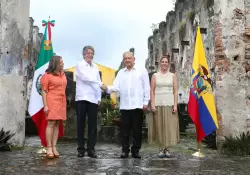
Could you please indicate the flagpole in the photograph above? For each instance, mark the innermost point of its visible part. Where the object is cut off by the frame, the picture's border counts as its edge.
(42, 149)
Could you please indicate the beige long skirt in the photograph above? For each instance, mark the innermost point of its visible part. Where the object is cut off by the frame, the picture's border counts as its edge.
(163, 127)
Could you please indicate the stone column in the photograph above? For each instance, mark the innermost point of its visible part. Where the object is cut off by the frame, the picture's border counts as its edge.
(230, 91)
(14, 30)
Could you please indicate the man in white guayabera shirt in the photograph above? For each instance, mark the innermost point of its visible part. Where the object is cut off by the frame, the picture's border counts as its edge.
(132, 83)
(88, 96)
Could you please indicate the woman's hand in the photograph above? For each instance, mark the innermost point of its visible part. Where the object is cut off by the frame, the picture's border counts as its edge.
(174, 109)
(153, 108)
(46, 110)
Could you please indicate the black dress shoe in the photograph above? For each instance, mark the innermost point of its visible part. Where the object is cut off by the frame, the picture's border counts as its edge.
(124, 155)
(80, 155)
(92, 155)
(136, 155)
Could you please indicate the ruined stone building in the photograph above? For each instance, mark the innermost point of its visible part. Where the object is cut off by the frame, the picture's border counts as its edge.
(19, 48)
(225, 28)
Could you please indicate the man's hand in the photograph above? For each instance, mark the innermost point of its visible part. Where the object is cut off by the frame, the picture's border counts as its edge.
(104, 87)
(145, 107)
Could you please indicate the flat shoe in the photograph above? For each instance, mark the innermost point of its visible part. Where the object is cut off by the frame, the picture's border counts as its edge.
(50, 156)
(56, 155)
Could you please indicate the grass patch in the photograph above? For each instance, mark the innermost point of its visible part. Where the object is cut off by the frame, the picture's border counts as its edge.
(17, 148)
(237, 146)
(5, 136)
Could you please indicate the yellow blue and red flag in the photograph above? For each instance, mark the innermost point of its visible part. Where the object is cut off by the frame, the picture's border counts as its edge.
(201, 104)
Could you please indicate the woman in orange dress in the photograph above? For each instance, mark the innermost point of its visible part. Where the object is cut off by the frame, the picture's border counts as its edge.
(53, 84)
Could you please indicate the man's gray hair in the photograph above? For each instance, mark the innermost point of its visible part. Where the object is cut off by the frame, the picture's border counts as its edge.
(86, 48)
(128, 53)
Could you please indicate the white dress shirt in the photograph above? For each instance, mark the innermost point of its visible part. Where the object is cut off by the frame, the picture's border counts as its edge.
(88, 82)
(133, 87)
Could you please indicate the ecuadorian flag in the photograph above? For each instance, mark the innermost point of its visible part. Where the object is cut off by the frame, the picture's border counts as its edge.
(201, 105)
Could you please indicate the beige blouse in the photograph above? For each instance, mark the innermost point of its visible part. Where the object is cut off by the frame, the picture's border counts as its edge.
(164, 95)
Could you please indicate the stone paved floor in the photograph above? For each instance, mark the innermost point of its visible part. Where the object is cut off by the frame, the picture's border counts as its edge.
(28, 162)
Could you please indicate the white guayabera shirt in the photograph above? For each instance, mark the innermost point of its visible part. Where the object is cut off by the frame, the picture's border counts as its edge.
(133, 86)
(88, 82)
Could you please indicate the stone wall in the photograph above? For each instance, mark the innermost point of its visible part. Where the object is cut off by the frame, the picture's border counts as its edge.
(225, 27)
(19, 47)
(14, 27)
(33, 49)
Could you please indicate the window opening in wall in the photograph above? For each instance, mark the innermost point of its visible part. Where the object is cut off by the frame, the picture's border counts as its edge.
(172, 68)
(236, 58)
(156, 54)
(181, 61)
(180, 16)
(164, 48)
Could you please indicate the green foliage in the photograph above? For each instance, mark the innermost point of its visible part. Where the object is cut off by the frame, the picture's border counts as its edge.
(208, 3)
(109, 112)
(182, 29)
(120, 67)
(4, 138)
(237, 146)
(191, 15)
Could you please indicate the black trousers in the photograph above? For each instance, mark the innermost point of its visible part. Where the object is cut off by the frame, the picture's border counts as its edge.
(83, 109)
(131, 120)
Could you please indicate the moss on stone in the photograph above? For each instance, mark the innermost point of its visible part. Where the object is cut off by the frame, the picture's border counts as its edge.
(182, 29)
(191, 15)
(17, 148)
(208, 3)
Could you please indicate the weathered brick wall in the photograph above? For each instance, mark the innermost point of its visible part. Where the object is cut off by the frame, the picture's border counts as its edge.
(230, 91)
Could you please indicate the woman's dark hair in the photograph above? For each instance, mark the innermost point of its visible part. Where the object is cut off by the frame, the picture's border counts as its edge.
(165, 56)
(53, 64)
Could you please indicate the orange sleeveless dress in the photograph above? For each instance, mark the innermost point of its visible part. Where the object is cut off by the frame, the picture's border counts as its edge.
(55, 85)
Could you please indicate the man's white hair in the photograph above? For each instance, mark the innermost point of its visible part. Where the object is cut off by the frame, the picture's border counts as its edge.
(128, 53)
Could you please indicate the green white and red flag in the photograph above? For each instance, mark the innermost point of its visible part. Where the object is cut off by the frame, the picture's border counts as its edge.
(35, 108)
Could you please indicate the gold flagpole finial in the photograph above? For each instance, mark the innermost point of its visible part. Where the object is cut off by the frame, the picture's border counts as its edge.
(49, 17)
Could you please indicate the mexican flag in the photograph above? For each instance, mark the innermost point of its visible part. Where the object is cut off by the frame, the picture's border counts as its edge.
(35, 108)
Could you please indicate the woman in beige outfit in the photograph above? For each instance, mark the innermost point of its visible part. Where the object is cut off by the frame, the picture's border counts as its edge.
(165, 123)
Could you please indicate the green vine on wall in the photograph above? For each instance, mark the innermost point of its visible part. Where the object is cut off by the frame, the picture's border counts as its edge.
(182, 29)
(208, 3)
(191, 15)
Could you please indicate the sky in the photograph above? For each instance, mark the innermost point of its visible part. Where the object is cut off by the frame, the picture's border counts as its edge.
(110, 26)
